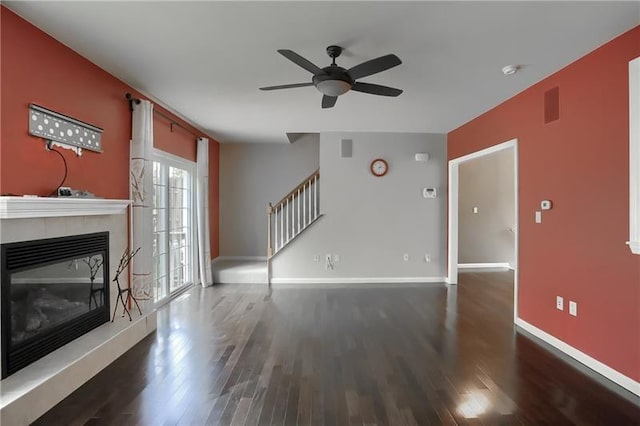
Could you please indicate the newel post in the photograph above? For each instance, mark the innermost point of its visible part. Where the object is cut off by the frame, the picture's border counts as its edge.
(269, 245)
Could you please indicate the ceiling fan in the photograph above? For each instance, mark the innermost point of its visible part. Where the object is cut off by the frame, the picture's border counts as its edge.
(333, 81)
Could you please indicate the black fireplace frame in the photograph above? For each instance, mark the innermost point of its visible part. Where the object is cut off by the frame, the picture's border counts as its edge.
(19, 256)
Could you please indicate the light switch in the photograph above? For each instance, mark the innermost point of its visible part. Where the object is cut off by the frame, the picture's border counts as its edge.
(538, 217)
(573, 308)
(475, 210)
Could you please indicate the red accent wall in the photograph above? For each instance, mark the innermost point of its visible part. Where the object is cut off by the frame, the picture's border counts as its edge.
(581, 163)
(36, 68)
(174, 139)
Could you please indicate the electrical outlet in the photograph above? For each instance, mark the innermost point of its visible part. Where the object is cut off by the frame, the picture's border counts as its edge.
(573, 308)
(328, 261)
(559, 303)
(538, 217)
(427, 258)
(405, 257)
(336, 258)
(316, 258)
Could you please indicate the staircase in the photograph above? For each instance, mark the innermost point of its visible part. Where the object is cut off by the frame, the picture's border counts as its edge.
(291, 216)
(288, 218)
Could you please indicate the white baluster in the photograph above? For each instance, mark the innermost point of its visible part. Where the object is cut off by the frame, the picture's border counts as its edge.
(281, 226)
(315, 197)
(293, 217)
(309, 203)
(275, 233)
(286, 224)
(304, 205)
(298, 210)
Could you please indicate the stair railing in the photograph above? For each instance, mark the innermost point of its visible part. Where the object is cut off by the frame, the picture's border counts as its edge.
(293, 214)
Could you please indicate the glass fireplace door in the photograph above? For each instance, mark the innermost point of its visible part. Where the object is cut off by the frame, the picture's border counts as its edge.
(52, 291)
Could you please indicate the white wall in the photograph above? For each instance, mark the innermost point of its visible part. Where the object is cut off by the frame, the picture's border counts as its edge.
(371, 222)
(251, 176)
(487, 183)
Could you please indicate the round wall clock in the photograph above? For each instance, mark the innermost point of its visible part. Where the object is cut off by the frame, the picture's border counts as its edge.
(379, 167)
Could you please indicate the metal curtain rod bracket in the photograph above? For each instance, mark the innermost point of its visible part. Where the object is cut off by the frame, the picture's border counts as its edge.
(131, 100)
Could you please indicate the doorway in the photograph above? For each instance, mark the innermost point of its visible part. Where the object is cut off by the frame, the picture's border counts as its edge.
(173, 226)
(454, 212)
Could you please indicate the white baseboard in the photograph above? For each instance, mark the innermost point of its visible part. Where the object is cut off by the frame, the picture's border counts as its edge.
(247, 258)
(359, 280)
(597, 366)
(484, 265)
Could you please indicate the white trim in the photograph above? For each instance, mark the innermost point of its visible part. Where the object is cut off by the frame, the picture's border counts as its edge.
(32, 207)
(487, 151)
(504, 265)
(597, 366)
(452, 269)
(634, 156)
(171, 160)
(247, 258)
(360, 280)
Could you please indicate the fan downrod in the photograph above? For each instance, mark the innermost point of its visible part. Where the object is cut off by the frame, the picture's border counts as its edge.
(334, 52)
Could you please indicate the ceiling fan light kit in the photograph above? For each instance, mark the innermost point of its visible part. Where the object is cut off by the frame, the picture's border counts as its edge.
(333, 87)
(333, 81)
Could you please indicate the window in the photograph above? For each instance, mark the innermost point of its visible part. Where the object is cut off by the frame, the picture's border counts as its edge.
(173, 219)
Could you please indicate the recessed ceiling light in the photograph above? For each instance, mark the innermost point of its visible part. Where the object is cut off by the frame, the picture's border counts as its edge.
(510, 69)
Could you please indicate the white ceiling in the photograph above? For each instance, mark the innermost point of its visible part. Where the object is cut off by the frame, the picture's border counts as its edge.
(206, 60)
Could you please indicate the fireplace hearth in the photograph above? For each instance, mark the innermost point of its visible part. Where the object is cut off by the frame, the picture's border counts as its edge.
(53, 291)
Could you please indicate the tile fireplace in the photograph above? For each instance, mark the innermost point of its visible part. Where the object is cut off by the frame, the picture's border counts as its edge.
(43, 303)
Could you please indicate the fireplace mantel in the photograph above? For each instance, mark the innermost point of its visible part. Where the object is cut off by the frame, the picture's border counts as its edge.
(31, 391)
(34, 207)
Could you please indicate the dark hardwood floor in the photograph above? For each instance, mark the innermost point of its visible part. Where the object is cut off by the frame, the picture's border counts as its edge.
(385, 355)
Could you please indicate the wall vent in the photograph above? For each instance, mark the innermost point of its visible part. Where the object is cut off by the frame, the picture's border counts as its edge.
(346, 148)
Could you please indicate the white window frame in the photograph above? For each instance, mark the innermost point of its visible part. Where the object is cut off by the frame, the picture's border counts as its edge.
(634, 156)
(172, 160)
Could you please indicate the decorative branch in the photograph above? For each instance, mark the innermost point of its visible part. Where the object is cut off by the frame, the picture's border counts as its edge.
(124, 262)
(137, 185)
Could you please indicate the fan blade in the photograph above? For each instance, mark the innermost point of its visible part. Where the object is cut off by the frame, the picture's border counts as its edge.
(329, 101)
(300, 61)
(287, 86)
(376, 89)
(374, 66)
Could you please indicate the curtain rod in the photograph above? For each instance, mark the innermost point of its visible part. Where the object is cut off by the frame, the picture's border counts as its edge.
(135, 101)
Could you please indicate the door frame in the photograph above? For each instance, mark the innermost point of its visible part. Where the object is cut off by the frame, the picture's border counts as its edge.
(453, 213)
(169, 159)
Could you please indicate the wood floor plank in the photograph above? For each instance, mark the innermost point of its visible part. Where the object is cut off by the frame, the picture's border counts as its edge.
(384, 355)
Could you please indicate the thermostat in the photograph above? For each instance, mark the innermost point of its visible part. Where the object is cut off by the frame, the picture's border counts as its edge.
(429, 192)
(546, 204)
